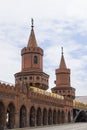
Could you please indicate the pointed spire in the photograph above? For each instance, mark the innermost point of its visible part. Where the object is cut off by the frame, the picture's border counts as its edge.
(62, 62)
(62, 50)
(32, 40)
(32, 24)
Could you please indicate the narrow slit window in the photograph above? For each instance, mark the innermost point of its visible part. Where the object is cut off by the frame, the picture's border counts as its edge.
(35, 59)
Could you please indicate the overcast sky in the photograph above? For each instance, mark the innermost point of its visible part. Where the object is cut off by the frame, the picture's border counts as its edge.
(57, 23)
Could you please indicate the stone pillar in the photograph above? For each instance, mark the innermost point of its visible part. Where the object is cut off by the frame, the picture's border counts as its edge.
(47, 117)
(28, 121)
(35, 117)
(52, 117)
(41, 118)
(72, 119)
(5, 116)
(66, 117)
(17, 118)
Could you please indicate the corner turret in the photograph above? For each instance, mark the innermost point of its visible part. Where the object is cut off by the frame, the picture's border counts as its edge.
(63, 84)
(32, 65)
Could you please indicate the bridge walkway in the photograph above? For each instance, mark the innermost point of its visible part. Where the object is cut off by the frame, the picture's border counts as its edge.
(72, 126)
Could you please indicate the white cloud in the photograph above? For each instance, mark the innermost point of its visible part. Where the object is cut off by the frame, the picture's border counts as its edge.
(57, 23)
(23, 10)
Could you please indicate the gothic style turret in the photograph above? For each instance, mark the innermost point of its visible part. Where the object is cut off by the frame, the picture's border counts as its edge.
(32, 65)
(62, 82)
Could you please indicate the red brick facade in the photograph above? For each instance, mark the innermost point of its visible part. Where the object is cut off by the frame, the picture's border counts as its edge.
(22, 105)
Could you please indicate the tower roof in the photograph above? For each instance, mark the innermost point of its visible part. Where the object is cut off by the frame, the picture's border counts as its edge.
(32, 40)
(62, 62)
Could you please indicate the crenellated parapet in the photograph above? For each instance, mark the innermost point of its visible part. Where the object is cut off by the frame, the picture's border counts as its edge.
(27, 50)
(7, 88)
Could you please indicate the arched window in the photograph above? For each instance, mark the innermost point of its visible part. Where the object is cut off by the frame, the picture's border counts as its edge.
(35, 59)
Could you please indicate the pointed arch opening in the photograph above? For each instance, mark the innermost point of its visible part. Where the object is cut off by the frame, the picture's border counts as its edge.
(39, 117)
(58, 117)
(62, 117)
(23, 116)
(44, 116)
(50, 117)
(2, 115)
(54, 117)
(32, 116)
(10, 119)
(69, 117)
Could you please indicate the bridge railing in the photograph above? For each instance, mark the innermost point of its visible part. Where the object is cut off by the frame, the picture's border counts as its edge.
(79, 105)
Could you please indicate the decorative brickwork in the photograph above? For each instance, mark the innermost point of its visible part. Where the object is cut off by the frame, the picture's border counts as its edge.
(28, 103)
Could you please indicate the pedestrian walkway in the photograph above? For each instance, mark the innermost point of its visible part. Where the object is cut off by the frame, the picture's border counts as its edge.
(73, 126)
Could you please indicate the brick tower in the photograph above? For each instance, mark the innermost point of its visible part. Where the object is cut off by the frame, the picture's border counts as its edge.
(32, 65)
(63, 86)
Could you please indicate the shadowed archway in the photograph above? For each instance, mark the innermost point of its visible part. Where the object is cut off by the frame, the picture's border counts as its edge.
(39, 117)
(32, 116)
(44, 116)
(23, 116)
(58, 117)
(10, 121)
(69, 117)
(50, 117)
(54, 117)
(2, 115)
(62, 117)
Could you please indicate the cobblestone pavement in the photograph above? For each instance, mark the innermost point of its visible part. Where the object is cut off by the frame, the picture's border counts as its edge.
(74, 126)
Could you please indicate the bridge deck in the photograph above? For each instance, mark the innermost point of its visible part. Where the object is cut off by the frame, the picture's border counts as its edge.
(73, 126)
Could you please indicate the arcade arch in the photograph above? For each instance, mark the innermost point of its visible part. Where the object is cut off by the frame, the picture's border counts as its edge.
(49, 117)
(32, 116)
(39, 117)
(62, 117)
(54, 117)
(44, 116)
(10, 119)
(58, 117)
(69, 116)
(2, 114)
(23, 116)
